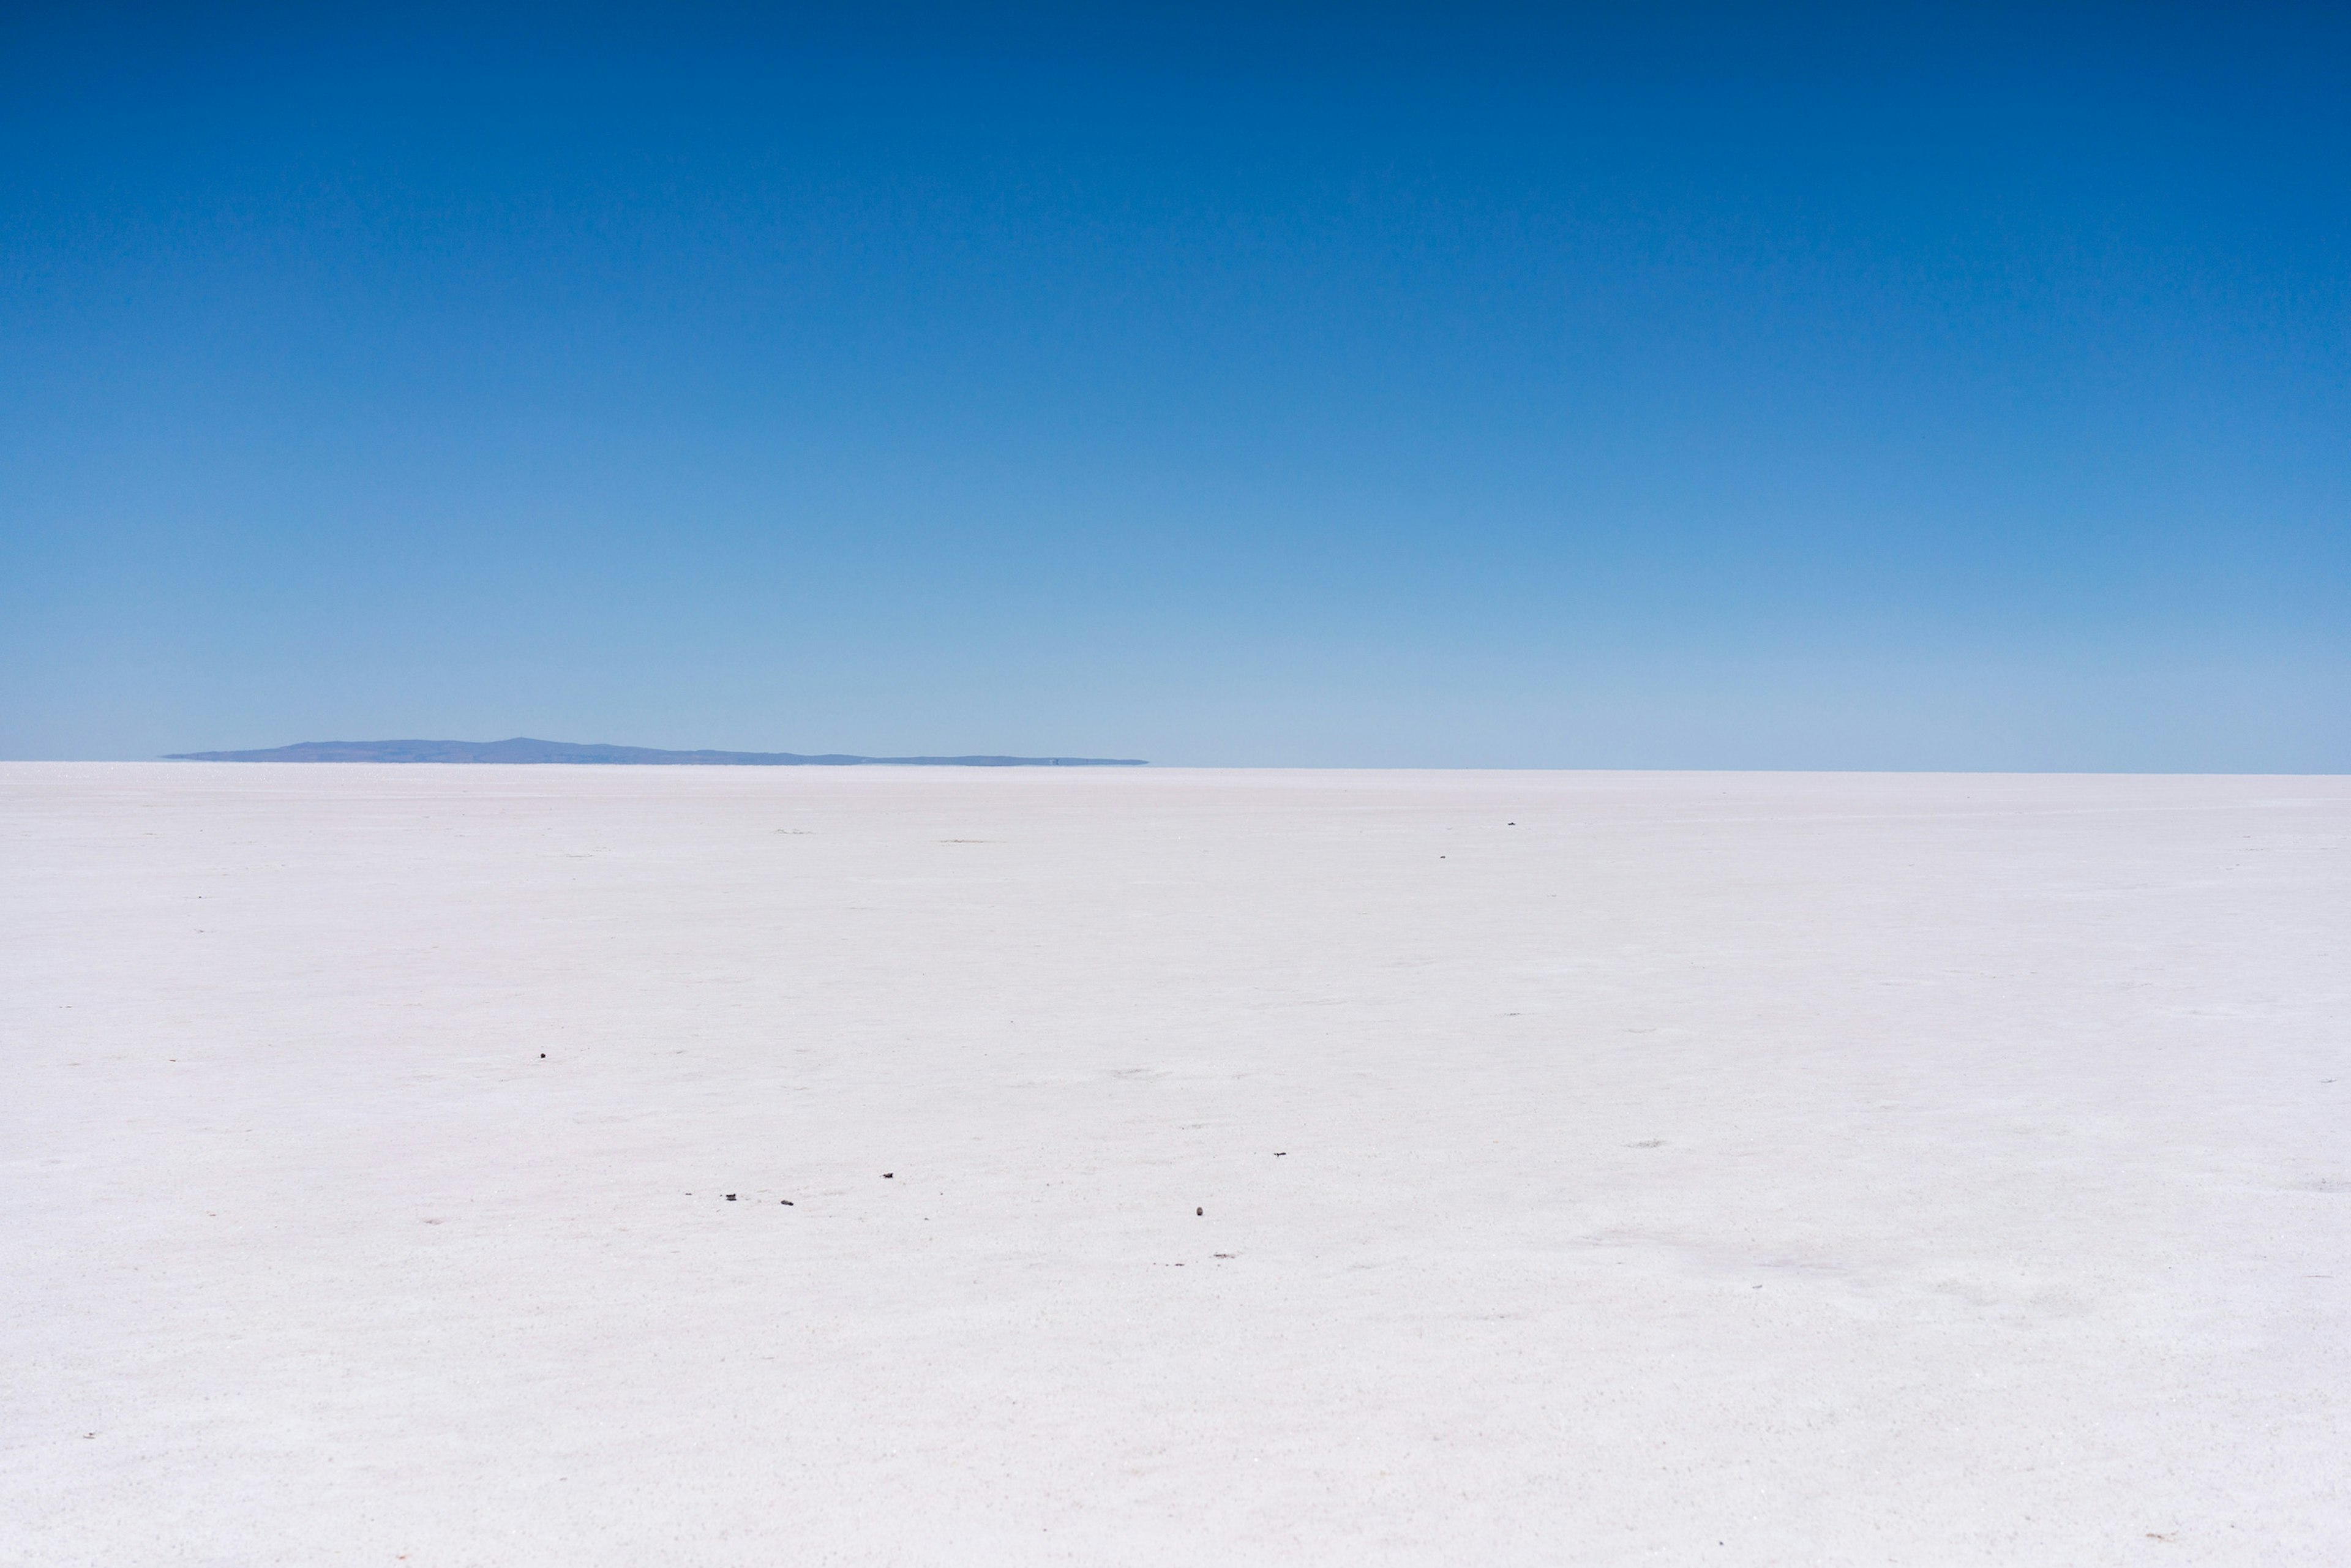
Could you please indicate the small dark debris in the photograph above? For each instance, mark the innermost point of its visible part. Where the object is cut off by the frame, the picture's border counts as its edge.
(1199, 1211)
(887, 1176)
(1282, 1154)
(542, 1056)
(785, 1201)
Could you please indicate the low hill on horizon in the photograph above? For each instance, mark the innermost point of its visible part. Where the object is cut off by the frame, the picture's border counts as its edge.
(522, 748)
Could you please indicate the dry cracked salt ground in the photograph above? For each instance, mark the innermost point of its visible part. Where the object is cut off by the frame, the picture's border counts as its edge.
(1283, 1167)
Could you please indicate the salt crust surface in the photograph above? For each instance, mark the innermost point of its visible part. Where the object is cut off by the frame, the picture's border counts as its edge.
(1706, 1168)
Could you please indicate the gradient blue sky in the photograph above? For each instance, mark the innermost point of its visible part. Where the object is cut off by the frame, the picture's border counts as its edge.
(1877, 387)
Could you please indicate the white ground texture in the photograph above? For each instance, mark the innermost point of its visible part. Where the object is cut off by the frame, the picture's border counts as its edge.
(1283, 1167)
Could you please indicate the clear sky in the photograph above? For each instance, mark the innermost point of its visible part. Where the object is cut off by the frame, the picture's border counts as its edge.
(1869, 387)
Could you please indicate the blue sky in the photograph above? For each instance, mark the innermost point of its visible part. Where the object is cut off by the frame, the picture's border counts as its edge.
(1710, 388)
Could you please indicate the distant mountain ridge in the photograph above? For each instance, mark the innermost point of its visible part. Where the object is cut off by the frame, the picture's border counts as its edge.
(522, 748)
